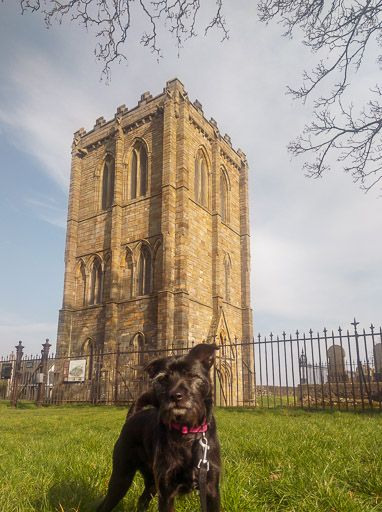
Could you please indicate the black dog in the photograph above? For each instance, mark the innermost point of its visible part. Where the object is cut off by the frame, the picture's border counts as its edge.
(174, 445)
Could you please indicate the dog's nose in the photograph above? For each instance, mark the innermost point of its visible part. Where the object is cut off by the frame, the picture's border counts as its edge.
(176, 396)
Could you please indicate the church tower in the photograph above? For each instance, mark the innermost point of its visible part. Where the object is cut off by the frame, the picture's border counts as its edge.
(157, 247)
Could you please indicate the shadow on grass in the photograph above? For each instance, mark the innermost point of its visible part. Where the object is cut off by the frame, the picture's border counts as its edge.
(79, 496)
(68, 496)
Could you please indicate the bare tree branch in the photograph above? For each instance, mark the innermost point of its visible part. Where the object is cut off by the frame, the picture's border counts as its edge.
(340, 30)
(112, 19)
(343, 30)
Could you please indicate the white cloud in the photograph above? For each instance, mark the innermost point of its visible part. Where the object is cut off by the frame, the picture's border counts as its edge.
(48, 212)
(43, 107)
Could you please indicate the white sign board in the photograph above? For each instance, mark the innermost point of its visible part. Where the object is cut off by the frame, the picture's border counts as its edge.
(77, 370)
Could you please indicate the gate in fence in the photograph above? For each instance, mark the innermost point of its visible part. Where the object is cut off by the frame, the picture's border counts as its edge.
(341, 369)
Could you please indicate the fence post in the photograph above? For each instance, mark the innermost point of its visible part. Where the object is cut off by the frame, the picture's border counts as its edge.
(17, 374)
(359, 364)
(44, 373)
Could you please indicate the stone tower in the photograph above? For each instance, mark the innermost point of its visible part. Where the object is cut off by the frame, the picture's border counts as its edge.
(157, 247)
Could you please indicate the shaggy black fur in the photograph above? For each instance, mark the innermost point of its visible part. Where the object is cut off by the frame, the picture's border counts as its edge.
(167, 459)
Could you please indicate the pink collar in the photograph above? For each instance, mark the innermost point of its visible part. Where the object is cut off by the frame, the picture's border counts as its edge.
(186, 430)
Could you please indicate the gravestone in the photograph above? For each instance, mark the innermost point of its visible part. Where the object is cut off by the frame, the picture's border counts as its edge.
(336, 367)
(378, 362)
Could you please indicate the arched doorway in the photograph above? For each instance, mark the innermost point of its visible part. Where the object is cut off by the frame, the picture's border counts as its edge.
(223, 379)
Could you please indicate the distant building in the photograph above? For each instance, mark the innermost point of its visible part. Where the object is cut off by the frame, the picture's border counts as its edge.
(157, 248)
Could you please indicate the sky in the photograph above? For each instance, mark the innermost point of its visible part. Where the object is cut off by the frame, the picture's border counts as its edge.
(316, 247)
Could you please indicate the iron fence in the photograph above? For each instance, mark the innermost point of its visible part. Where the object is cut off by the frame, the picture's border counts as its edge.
(341, 369)
(113, 377)
(338, 369)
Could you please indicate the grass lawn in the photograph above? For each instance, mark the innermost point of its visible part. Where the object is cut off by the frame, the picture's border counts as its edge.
(59, 459)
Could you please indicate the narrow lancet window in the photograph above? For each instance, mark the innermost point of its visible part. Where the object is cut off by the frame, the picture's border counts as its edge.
(108, 183)
(223, 198)
(96, 283)
(201, 178)
(139, 171)
(144, 272)
(134, 173)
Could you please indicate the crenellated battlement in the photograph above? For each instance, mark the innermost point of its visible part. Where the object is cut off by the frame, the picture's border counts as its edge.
(148, 107)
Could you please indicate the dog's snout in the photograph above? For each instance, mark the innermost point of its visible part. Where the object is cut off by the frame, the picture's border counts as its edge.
(176, 396)
(177, 393)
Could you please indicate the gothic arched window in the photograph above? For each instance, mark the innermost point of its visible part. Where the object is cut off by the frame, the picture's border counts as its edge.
(108, 182)
(80, 285)
(158, 269)
(127, 276)
(96, 282)
(144, 272)
(223, 197)
(140, 343)
(138, 349)
(201, 178)
(107, 278)
(88, 352)
(138, 171)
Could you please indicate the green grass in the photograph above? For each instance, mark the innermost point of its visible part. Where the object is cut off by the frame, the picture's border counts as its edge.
(59, 459)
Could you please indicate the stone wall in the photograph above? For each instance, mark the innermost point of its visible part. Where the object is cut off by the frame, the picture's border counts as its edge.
(199, 263)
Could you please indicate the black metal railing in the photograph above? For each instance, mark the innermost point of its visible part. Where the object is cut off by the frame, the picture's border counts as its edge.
(330, 370)
(338, 369)
(114, 377)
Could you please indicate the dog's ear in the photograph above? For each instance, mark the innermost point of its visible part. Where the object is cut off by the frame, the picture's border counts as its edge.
(154, 366)
(204, 352)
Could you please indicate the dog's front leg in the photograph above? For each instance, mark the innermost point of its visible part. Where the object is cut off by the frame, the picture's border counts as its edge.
(166, 504)
(213, 495)
(149, 490)
(166, 498)
(213, 503)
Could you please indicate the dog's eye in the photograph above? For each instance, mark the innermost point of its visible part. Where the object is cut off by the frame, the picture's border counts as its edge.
(192, 375)
(163, 378)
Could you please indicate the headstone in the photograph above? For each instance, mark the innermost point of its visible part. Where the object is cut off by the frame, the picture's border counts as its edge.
(336, 369)
(378, 361)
